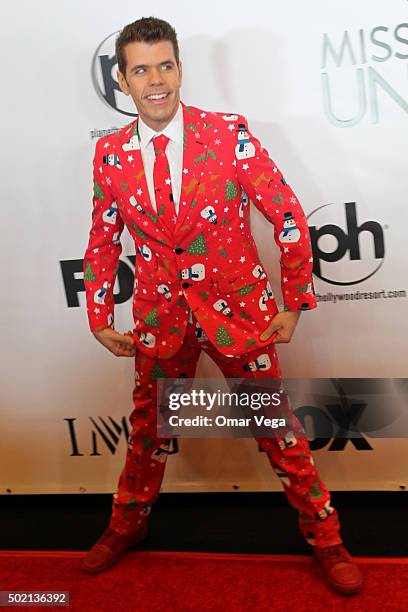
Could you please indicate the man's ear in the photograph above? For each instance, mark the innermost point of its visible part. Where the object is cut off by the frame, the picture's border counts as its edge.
(122, 83)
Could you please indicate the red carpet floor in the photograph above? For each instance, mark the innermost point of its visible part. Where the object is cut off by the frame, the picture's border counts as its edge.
(182, 582)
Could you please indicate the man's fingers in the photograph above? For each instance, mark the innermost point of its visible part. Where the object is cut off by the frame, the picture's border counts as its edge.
(281, 338)
(268, 332)
(128, 339)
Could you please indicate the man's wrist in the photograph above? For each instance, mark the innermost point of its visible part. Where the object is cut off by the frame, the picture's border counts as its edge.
(98, 329)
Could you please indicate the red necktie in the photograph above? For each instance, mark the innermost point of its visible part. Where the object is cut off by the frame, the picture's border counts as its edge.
(162, 181)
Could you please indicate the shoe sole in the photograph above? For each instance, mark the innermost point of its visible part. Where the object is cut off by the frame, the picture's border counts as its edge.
(101, 568)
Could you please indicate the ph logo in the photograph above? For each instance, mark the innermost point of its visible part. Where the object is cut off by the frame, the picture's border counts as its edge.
(346, 256)
(104, 66)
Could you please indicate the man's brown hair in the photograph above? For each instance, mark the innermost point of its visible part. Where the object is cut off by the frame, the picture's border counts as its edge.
(146, 29)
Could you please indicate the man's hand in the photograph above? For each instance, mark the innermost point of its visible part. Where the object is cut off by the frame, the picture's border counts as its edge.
(121, 345)
(282, 327)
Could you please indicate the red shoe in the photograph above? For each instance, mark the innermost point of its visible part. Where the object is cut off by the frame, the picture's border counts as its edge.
(109, 548)
(339, 568)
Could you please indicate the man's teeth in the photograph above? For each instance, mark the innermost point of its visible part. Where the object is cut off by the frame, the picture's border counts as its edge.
(157, 96)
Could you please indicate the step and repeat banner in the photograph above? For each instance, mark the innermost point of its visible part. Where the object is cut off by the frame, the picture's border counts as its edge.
(325, 88)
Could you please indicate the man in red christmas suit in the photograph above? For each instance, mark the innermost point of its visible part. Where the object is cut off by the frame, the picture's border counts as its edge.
(181, 179)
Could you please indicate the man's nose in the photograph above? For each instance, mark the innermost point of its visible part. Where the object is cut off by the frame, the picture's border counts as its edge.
(156, 77)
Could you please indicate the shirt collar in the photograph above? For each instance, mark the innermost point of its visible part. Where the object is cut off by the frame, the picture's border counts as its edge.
(173, 130)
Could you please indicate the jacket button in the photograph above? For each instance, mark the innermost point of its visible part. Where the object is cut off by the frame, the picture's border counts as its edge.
(178, 250)
(185, 285)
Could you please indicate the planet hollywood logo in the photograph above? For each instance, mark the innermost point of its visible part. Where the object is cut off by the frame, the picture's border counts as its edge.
(104, 67)
(345, 255)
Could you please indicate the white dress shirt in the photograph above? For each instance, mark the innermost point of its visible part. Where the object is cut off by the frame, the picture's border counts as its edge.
(174, 152)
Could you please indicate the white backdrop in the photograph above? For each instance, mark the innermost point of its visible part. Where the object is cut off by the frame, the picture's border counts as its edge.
(325, 88)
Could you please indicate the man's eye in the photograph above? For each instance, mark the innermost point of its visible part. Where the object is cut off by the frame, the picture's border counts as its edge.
(167, 66)
(139, 70)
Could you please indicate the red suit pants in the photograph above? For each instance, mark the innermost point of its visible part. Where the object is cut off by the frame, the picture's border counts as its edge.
(141, 478)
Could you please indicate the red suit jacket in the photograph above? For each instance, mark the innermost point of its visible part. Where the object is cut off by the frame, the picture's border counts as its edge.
(208, 259)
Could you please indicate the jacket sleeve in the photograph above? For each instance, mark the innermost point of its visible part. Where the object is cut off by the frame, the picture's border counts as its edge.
(101, 259)
(265, 186)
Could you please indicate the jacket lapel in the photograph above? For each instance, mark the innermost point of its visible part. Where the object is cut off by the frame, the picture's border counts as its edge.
(194, 158)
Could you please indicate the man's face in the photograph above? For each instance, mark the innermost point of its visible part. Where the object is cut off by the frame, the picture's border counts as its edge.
(151, 69)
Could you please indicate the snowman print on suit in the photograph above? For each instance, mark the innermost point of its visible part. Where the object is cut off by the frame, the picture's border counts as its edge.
(244, 202)
(262, 362)
(290, 232)
(325, 511)
(245, 148)
(147, 339)
(267, 294)
(164, 290)
(208, 213)
(200, 333)
(135, 203)
(222, 306)
(288, 441)
(145, 252)
(110, 214)
(132, 144)
(99, 295)
(195, 272)
(112, 159)
(258, 272)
